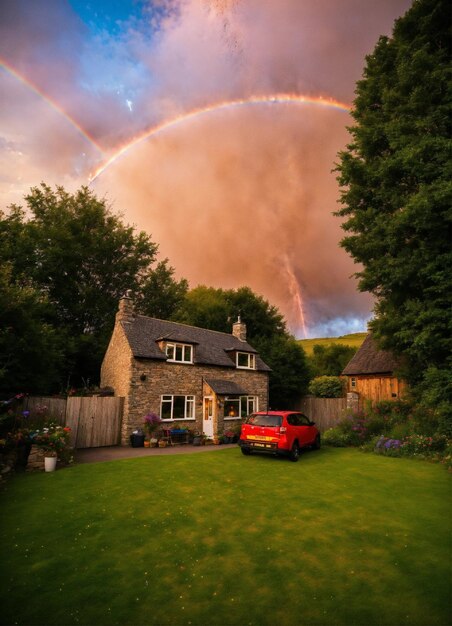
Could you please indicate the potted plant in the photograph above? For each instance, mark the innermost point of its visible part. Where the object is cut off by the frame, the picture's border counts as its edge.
(228, 436)
(152, 423)
(55, 441)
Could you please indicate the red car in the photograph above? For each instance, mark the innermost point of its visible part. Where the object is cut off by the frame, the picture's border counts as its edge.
(279, 432)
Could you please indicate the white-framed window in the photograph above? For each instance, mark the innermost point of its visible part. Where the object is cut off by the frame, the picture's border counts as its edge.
(177, 407)
(245, 360)
(353, 383)
(240, 406)
(179, 352)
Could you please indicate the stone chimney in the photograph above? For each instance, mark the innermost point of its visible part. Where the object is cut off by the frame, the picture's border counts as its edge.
(125, 310)
(239, 329)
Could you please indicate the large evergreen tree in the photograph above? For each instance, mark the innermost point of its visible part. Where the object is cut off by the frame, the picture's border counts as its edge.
(397, 194)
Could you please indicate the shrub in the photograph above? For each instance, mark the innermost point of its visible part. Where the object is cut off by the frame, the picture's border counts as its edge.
(421, 444)
(327, 387)
(336, 437)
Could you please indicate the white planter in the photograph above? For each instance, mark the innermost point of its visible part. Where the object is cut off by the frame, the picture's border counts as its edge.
(50, 463)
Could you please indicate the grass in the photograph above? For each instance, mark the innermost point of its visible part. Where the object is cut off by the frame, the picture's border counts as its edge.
(340, 538)
(354, 340)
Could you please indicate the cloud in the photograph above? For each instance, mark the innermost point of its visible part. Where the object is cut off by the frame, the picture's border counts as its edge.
(241, 196)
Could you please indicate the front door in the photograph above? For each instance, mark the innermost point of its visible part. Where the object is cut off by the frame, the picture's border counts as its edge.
(207, 422)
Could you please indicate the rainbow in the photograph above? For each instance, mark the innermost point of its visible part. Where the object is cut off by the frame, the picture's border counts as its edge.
(56, 107)
(213, 108)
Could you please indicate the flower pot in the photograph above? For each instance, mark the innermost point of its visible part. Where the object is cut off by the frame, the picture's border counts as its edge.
(147, 444)
(50, 463)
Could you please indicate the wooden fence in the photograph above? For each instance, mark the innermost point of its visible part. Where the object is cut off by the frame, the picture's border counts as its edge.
(95, 421)
(325, 412)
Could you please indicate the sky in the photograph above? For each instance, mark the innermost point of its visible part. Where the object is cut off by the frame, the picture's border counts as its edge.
(213, 125)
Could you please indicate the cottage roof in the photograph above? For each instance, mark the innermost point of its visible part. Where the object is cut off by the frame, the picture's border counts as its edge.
(226, 387)
(369, 359)
(211, 347)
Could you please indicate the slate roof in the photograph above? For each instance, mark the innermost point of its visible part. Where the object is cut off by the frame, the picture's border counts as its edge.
(211, 347)
(226, 387)
(371, 360)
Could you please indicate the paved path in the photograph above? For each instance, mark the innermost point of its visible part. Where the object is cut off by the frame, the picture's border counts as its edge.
(113, 453)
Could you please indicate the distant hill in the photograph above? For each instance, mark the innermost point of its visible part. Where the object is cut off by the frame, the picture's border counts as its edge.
(354, 340)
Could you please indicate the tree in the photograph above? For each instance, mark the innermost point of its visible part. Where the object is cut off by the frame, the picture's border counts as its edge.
(85, 258)
(330, 360)
(161, 294)
(205, 307)
(31, 350)
(396, 191)
(217, 309)
(290, 372)
(327, 387)
(81, 258)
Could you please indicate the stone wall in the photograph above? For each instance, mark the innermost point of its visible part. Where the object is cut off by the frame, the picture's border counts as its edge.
(152, 379)
(116, 371)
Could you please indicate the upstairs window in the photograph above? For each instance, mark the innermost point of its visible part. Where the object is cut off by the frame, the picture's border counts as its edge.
(179, 353)
(246, 361)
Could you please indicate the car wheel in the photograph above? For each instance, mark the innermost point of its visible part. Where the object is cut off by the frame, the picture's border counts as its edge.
(316, 445)
(245, 451)
(294, 453)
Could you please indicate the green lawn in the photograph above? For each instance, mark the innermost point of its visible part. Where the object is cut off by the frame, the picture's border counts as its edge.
(340, 537)
(354, 340)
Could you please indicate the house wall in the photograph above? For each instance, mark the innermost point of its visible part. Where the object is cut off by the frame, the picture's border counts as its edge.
(116, 370)
(178, 379)
(376, 388)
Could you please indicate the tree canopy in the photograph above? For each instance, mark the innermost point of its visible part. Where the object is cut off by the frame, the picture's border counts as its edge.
(77, 258)
(397, 190)
(330, 360)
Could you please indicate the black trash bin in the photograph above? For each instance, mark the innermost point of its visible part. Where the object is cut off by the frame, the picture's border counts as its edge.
(137, 439)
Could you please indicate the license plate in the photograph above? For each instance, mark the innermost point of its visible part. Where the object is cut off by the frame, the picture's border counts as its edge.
(262, 445)
(257, 438)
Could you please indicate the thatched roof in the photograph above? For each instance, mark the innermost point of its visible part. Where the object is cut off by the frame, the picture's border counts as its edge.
(371, 360)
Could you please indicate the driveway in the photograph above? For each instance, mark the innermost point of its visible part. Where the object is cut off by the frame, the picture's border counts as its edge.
(113, 453)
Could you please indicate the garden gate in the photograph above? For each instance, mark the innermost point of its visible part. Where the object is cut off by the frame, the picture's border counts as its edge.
(94, 420)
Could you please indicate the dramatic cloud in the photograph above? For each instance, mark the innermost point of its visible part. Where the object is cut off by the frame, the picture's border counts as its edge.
(239, 196)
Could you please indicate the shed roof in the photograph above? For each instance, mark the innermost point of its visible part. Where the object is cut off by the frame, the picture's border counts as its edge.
(211, 347)
(369, 359)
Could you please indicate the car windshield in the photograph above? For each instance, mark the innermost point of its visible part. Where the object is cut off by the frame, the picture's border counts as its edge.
(264, 420)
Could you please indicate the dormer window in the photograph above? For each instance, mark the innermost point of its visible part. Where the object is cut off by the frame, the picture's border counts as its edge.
(179, 353)
(246, 361)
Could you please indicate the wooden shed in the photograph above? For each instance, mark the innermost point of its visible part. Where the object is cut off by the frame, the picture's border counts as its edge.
(370, 374)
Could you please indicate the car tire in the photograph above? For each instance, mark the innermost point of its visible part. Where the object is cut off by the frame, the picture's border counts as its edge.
(245, 451)
(294, 453)
(316, 445)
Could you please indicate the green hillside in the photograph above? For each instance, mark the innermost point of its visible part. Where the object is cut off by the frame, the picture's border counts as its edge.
(354, 340)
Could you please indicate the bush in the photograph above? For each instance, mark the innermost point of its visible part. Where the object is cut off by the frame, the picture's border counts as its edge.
(336, 437)
(393, 429)
(327, 387)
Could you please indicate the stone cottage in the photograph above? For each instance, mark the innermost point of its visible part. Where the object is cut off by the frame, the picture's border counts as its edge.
(189, 376)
